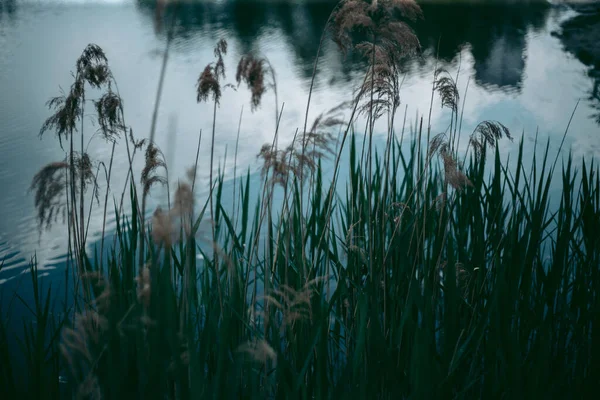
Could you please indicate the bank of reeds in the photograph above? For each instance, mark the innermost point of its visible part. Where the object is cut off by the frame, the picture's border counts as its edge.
(430, 272)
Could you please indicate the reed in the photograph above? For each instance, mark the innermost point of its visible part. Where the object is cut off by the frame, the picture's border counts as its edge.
(418, 276)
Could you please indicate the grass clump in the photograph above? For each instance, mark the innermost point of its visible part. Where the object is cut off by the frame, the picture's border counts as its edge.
(420, 276)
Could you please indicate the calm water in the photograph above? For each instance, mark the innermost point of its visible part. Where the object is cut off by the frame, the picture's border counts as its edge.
(518, 73)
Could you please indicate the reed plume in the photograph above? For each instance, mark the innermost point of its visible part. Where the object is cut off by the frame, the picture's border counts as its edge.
(48, 186)
(260, 351)
(381, 19)
(168, 225)
(453, 175)
(390, 41)
(209, 80)
(82, 344)
(154, 160)
(75, 172)
(301, 157)
(488, 132)
(209, 83)
(252, 70)
(446, 86)
(109, 116)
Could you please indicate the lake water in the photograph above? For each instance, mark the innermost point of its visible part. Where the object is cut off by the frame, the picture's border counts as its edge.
(517, 69)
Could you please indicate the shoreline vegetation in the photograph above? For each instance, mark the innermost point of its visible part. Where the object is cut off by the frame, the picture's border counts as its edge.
(434, 270)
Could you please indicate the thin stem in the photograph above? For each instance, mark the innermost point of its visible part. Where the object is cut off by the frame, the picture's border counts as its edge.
(212, 211)
(196, 162)
(237, 142)
(370, 163)
(81, 187)
(153, 131)
(461, 114)
(106, 202)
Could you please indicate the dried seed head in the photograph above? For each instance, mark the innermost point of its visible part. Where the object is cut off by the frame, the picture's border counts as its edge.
(154, 160)
(67, 113)
(381, 88)
(137, 144)
(144, 288)
(92, 67)
(91, 57)
(208, 82)
(79, 343)
(456, 178)
(166, 224)
(302, 156)
(219, 51)
(49, 185)
(399, 39)
(101, 289)
(251, 70)
(446, 87)
(190, 174)
(162, 227)
(350, 16)
(83, 166)
(259, 350)
(75, 343)
(488, 132)
(110, 118)
(294, 304)
(438, 144)
(408, 9)
(381, 18)
(96, 76)
(184, 200)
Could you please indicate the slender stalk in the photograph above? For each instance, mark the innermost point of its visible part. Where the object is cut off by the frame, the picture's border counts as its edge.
(461, 115)
(212, 212)
(94, 193)
(196, 161)
(112, 154)
(370, 163)
(562, 142)
(263, 211)
(81, 188)
(73, 200)
(310, 90)
(237, 142)
(159, 90)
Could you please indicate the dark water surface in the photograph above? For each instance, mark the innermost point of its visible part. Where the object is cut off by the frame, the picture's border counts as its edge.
(510, 54)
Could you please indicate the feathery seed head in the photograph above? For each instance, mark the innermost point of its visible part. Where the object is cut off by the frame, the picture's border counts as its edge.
(92, 56)
(144, 289)
(379, 19)
(154, 160)
(110, 118)
(162, 227)
(455, 177)
(488, 132)
(251, 71)
(184, 199)
(49, 186)
(446, 87)
(208, 83)
(259, 350)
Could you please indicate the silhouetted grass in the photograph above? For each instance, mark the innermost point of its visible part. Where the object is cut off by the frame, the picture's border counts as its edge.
(418, 276)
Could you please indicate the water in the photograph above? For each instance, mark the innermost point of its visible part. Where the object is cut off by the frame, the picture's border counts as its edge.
(518, 72)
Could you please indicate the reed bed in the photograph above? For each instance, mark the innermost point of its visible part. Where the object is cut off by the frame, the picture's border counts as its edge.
(430, 272)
